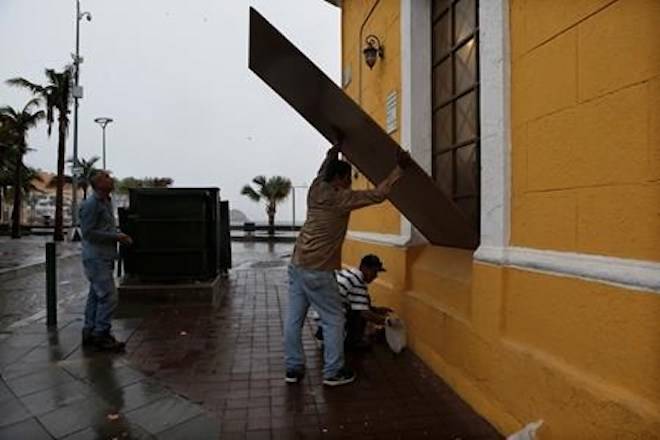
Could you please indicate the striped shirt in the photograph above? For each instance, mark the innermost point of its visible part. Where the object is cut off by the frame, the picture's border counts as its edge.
(353, 289)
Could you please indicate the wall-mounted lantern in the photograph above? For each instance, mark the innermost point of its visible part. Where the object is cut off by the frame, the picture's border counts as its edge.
(372, 51)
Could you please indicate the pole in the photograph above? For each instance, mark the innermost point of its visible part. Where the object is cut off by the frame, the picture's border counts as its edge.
(74, 189)
(104, 148)
(51, 285)
(293, 192)
(103, 123)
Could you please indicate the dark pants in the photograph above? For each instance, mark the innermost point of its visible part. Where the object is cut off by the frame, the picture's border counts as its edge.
(355, 327)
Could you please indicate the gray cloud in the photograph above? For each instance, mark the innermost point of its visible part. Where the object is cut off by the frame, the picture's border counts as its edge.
(174, 77)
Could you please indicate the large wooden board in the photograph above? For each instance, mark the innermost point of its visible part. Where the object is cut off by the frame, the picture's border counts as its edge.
(326, 107)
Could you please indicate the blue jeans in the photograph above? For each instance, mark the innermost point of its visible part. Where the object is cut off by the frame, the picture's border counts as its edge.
(102, 297)
(318, 288)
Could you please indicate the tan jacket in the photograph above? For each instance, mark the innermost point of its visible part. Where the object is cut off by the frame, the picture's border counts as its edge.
(319, 243)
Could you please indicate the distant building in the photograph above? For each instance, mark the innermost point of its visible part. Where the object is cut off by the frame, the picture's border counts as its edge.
(39, 204)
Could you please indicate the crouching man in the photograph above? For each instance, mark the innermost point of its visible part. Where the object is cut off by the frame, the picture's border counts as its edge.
(353, 287)
(354, 291)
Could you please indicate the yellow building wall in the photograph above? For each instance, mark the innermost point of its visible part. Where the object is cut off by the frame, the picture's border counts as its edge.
(519, 345)
(371, 88)
(585, 117)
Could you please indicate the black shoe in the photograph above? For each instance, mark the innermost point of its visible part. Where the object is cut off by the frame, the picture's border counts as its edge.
(108, 342)
(87, 338)
(343, 377)
(294, 376)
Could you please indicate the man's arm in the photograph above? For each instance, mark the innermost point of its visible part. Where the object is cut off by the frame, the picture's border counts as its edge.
(89, 214)
(381, 310)
(374, 317)
(351, 200)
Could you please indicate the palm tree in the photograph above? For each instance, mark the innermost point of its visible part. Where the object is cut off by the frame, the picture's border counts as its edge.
(57, 96)
(88, 167)
(5, 148)
(29, 177)
(6, 177)
(5, 144)
(272, 191)
(18, 124)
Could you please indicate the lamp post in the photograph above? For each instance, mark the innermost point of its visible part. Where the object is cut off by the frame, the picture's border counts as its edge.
(293, 200)
(103, 122)
(77, 94)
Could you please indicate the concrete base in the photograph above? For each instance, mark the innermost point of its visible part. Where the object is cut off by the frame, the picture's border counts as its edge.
(187, 291)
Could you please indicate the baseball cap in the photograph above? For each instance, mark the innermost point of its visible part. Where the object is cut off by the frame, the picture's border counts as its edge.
(373, 262)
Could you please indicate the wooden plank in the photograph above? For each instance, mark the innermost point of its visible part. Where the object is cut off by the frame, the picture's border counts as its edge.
(326, 107)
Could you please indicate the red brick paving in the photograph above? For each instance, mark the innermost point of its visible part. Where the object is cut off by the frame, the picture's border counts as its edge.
(229, 357)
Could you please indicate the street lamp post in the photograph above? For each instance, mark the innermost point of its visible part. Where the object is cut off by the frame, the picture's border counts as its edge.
(293, 200)
(77, 94)
(103, 122)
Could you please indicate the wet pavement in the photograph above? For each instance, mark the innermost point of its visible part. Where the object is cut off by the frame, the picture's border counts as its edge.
(198, 370)
(29, 250)
(24, 295)
(23, 279)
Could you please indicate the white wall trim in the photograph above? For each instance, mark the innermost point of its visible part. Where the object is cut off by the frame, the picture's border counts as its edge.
(495, 88)
(416, 128)
(627, 273)
(378, 238)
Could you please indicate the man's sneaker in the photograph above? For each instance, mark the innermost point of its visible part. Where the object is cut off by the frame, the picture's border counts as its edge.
(87, 338)
(294, 376)
(343, 377)
(108, 342)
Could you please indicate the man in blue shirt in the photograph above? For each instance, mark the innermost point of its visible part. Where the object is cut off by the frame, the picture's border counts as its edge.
(100, 238)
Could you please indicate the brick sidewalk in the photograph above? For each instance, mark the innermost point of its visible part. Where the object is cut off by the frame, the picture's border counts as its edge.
(230, 360)
(208, 371)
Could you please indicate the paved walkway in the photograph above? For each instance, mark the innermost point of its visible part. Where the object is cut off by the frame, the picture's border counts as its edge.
(198, 371)
(23, 295)
(29, 250)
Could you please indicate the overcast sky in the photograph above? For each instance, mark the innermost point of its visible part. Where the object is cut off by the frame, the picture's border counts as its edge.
(174, 77)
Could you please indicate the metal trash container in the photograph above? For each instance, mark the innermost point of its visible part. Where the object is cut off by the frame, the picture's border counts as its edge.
(176, 233)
